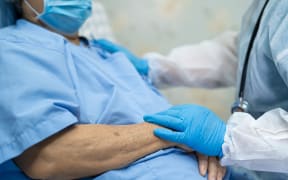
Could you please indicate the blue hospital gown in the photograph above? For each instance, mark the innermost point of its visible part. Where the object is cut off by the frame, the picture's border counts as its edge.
(48, 84)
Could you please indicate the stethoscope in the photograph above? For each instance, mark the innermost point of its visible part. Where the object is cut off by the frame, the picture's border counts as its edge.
(242, 105)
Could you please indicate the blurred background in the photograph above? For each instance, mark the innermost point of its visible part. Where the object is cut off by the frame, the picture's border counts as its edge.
(160, 25)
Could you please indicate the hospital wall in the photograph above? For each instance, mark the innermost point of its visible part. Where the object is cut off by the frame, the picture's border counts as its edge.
(159, 25)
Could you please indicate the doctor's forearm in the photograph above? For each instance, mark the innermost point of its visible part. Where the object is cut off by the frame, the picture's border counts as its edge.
(88, 150)
(208, 64)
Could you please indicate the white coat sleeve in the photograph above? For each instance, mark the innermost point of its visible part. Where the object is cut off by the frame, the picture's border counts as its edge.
(209, 64)
(260, 144)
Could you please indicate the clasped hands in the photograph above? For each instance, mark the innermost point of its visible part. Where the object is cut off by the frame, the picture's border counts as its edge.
(194, 127)
(189, 126)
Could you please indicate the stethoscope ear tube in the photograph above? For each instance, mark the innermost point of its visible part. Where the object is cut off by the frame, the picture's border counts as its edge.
(241, 105)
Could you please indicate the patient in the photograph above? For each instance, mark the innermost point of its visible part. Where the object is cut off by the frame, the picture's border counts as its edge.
(70, 110)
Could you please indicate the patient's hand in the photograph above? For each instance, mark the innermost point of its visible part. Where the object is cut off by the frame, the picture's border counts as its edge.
(212, 166)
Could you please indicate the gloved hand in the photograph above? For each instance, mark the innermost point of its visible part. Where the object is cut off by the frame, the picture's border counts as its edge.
(194, 126)
(140, 64)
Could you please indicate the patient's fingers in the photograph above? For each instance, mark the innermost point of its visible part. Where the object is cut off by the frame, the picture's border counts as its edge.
(212, 165)
(213, 168)
(221, 172)
(203, 164)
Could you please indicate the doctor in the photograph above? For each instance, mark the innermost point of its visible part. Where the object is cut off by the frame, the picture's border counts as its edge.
(256, 136)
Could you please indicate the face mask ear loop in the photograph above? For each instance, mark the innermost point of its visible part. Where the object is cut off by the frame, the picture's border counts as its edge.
(29, 5)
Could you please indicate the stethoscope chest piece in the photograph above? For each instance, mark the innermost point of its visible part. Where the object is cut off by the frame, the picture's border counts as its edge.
(240, 106)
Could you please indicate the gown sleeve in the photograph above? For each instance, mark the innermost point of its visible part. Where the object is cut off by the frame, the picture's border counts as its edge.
(209, 64)
(37, 98)
(260, 144)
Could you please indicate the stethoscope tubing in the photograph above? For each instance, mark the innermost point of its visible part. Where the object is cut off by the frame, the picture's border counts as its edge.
(241, 104)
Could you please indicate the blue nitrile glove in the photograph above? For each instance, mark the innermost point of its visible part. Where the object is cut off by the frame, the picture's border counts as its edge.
(194, 126)
(140, 64)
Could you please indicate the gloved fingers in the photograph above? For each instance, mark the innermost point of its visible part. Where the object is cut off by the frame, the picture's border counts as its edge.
(168, 135)
(141, 65)
(179, 110)
(202, 163)
(213, 168)
(170, 112)
(166, 121)
(186, 106)
(108, 46)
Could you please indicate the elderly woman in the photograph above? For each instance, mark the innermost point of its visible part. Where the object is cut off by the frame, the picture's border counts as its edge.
(71, 110)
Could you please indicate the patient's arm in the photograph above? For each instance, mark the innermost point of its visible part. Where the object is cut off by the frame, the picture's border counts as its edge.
(88, 150)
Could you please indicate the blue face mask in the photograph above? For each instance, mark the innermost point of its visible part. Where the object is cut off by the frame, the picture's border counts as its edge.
(64, 16)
